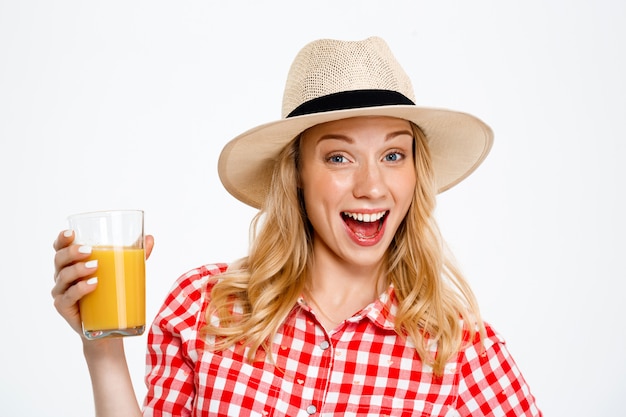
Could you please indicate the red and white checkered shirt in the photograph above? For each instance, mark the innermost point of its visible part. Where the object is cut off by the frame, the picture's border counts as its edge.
(362, 368)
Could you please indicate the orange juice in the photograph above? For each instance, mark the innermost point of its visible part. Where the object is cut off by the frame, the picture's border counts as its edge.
(118, 302)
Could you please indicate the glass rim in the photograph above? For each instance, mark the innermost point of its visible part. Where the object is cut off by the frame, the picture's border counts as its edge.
(100, 213)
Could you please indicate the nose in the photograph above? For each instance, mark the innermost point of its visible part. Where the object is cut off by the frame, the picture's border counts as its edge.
(369, 181)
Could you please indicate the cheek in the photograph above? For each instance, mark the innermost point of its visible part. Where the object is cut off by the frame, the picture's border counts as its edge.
(403, 186)
(321, 185)
(322, 199)
(315, 195)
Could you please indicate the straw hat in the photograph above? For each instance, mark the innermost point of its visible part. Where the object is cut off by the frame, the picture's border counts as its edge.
(331, 80)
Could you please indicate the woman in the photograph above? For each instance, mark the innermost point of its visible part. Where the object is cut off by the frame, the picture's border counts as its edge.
(347, 303)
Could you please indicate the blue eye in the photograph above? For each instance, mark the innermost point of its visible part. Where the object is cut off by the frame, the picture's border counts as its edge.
(336, 159)
(393, 157)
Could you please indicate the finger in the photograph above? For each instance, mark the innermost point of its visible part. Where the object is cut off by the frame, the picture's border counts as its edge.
(69, 298)
(148, 245)
(66, 303)
(64, 238)
(63, 256)
(72, 274)
(69, 255)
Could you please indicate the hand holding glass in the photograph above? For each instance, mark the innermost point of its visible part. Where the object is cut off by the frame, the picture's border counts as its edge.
(117, 306)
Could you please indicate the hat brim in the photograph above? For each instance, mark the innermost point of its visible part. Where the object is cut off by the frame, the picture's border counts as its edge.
(458, 142)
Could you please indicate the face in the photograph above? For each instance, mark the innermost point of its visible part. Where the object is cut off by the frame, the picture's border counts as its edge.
(358, 179)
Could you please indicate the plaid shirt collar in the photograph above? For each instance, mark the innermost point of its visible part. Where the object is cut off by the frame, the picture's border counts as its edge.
(381, 312)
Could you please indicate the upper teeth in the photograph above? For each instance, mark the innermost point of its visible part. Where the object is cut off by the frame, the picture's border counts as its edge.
(373, 217)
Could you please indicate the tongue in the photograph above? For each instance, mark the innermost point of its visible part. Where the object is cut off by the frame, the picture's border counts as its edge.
(362, 229)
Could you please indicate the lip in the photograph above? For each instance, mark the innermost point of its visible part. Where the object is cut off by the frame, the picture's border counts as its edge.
(371, 240)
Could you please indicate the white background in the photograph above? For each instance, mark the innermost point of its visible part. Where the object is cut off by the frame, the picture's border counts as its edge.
(127, 105)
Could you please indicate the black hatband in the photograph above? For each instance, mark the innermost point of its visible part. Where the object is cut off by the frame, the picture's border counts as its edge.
(351, 100)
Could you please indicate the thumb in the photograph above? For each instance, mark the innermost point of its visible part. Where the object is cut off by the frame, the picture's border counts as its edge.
(148, 245)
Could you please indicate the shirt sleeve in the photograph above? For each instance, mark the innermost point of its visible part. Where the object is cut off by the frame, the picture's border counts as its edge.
(172, 347)
(491, 384)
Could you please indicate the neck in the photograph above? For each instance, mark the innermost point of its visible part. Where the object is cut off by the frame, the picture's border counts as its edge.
(336, 291)
(340, 281)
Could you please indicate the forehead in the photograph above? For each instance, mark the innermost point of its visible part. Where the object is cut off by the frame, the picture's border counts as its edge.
(355, 124)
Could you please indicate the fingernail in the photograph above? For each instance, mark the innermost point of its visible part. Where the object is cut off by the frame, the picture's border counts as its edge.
(84, 249)
(92, 281)
(91, 264)
(67, 233)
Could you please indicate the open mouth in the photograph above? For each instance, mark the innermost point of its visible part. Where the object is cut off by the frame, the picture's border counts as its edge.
(364, 225)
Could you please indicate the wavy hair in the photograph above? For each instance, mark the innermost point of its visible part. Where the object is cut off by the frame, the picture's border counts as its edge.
(254, 297)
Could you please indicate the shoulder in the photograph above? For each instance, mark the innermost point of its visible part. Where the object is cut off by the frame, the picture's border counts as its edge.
(491, 337)
(193, 282)
(477, 345)
(187, 297)
(486, 358)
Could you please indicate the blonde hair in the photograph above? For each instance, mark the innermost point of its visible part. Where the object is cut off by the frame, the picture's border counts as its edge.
(255, 296)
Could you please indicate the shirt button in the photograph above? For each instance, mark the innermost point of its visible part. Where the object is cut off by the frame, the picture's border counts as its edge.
(311, 409)
(324, 345)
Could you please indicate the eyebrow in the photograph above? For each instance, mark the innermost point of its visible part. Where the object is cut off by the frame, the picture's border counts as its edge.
(350, 140)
